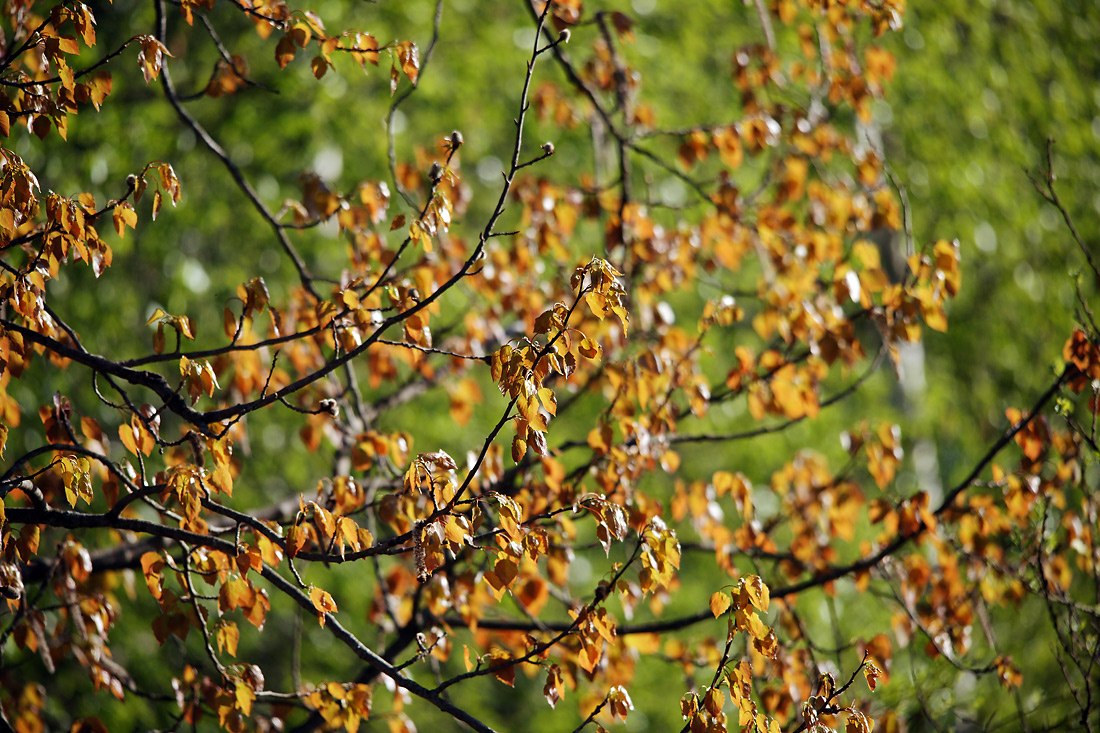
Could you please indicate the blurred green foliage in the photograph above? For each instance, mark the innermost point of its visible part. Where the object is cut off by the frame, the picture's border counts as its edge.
(980, 87)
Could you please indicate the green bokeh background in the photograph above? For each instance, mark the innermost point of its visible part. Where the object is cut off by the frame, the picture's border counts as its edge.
(980, 87)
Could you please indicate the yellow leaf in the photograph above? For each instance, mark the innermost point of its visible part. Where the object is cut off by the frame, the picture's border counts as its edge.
(228, 635)
(719, 603)
(244, 696)
(758, 592)
(548, 400)
(124, 216)
(126, 434)
(714, 700)
(322, 602)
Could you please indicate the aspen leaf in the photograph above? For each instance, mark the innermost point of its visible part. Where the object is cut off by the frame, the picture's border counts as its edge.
(41, 126)
(519, 449)
(537, 440)
(295, 540)
(689, 705)
(549, 400)
(757, 591)
(27, 544)
(228, 636)
(244, 697)
(229, 322)
(554, 689)
(506, 571)
(284, 51)
(857, 723)
(714, 700)
(506, 674)
(871, 672)
(124, 216)
(409, 57)
(151, 57)
(300, 34)
(590, 349)
(322, 603)
(619, 701)
(719, 603)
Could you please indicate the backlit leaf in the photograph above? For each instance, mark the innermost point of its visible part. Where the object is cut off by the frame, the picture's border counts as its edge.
(719, 603)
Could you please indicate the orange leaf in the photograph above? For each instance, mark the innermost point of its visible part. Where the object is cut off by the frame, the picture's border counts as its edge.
(409, 56)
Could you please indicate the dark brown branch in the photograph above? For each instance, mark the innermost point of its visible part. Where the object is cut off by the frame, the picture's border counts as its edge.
(390, 137)
(866, 563)
(372, 658)
(1051, 196)
(150, 380)
(780, 427)
(81, 520)
(234, 171)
